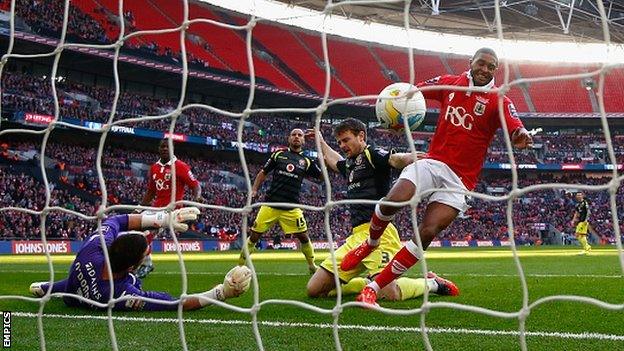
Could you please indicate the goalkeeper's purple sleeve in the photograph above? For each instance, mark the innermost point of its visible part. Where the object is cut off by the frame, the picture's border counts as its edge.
(111, 227)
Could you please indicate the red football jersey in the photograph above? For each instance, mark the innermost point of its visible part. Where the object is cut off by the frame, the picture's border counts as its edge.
(160, 181)
(466, 125)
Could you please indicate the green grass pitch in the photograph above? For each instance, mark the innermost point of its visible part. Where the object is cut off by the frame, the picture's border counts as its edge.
(487, 278)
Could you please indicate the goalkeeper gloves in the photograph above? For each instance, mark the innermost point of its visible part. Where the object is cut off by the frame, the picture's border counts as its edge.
(236, 281)
(161, 219)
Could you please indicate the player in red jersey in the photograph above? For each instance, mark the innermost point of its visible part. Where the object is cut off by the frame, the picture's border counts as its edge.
(466, 126)
(159, 189)
(159, 180)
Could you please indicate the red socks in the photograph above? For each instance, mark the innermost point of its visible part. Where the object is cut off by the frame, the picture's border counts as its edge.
(401, 262)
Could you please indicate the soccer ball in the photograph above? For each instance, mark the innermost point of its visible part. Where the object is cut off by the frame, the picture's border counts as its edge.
(391, 111)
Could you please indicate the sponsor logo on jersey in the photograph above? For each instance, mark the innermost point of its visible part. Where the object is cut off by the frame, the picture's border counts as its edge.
(161, 185)
(457, 116)
(482, 100)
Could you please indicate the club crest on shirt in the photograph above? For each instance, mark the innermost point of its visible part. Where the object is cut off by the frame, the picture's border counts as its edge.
(359, 159)
(479, 108)
(290, 167)
(168, 176)
(302, 163)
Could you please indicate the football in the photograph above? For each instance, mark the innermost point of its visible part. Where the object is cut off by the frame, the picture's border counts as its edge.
(393, 107)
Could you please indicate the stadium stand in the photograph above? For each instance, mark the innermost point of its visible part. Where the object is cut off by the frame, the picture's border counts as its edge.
(483, 221)
(95, 21)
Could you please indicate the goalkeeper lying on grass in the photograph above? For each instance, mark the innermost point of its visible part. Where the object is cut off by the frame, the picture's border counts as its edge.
(89, 278)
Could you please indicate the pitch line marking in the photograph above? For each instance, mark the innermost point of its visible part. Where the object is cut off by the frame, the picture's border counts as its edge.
(537, 275)
(436, 330)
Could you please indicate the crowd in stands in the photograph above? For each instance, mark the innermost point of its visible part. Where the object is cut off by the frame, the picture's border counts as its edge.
(535, 214)
(24, 191)
(28, 94)
(46, 18)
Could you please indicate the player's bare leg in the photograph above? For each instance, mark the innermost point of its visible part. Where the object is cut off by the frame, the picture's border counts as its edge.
(252, 240)
(403, 190)
(437, 217)
(320, 284)
(308, 250)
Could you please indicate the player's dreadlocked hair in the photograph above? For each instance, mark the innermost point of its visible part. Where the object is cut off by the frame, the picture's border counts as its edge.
(350, 124)
(126, 251)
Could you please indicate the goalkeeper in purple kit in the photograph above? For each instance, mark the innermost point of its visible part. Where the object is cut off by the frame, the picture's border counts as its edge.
(89, 278)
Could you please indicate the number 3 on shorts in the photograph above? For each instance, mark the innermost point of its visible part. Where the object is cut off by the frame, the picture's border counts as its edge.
(385, 257)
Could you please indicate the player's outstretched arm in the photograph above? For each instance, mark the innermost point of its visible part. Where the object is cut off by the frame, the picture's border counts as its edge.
(330, 156)
(235, 283)
(402, 159)
(161, 219)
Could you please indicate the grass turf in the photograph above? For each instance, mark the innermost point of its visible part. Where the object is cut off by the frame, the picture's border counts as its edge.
(487, 277)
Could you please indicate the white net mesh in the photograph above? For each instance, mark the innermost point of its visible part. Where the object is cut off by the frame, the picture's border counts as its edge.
(520, 315)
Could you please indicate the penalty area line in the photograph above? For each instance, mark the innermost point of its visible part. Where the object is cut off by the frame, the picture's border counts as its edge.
(435, 330)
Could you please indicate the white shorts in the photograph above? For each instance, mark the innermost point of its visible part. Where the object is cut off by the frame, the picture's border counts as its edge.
(433, 174)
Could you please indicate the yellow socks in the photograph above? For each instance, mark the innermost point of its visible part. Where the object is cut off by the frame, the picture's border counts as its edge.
(354, 286)
(583, 240)
(251, 246)
(308, 251)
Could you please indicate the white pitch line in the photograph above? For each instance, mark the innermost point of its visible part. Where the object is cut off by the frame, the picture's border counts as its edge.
(537, 275)
(561, 335)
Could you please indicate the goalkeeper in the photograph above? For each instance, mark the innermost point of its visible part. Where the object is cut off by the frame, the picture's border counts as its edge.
(89, 275)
